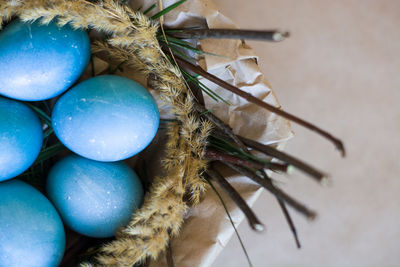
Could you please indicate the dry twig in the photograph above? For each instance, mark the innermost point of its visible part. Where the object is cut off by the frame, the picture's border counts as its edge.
(213, 154)
(234, 195)
(249, 97)
(272, 35)
(273, 152)
(267, 184)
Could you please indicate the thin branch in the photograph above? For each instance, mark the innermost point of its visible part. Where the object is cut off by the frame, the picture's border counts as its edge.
(286, 214)
(211, 154)
(214, 154)
(168, 255)
(231, 221)
(197, 92)
(282, 204)
(200, 107)
(220, 124)
(288, 218)
(290, 222)
(270, 151)
(267, 184)
(249, 97)
(254, 223)
(271, 35)
(146, 262)
(93, 72)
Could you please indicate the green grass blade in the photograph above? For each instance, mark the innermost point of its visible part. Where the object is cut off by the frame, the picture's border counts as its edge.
(49, 152)
(47, 133)
(181, 54)
(183, 44)
(188, 47)
(230, 148)
(208, 92)
(46, 118)
(180, 30)
(175, 43)
(207, 111)
(204, 88)
(46, 105)
(177, 40)
(202, 85)
(29, 174)
(150, 8)
(232, 223)
(168, 9)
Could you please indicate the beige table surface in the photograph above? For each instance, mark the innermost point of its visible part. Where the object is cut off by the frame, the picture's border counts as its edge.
(341, 70)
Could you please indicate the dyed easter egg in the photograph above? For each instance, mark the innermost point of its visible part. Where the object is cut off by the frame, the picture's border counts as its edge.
(106, 118)
(94, 198)
(40, 61)
(21, 138)
(31, 231)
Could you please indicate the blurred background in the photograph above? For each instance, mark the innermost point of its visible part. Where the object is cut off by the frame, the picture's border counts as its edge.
(339, 69)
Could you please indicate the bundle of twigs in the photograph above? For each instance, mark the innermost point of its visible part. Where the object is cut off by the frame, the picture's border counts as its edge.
(197, 139)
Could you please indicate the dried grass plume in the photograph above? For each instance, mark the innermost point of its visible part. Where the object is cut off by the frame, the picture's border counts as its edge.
(133, 40)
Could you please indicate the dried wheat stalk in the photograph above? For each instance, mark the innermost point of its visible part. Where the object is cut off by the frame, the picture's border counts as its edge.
(134, 34)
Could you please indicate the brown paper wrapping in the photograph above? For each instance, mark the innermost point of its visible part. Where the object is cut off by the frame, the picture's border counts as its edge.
(207, 229)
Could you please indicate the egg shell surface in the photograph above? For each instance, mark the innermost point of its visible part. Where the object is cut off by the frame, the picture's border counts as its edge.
(106, 118)
(94, 198)
(39, 62)
(21, 138)
(31, 231)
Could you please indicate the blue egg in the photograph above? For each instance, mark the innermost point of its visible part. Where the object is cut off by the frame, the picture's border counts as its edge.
(31, 231)
(21, 138)
(106, 118)
(94, 198)
(39, 62)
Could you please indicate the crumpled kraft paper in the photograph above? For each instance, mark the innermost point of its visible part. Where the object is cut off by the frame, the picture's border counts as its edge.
(207, 229)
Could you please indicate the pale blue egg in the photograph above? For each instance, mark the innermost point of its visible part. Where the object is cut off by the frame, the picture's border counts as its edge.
(94, 198)
(106, 118)
(39, 62)
(31, 231)
(21, 138)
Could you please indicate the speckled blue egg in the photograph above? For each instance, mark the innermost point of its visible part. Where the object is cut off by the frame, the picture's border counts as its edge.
(94, 198)
(106, 118)
(31, 231)
(21, 138)
(40, 61)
